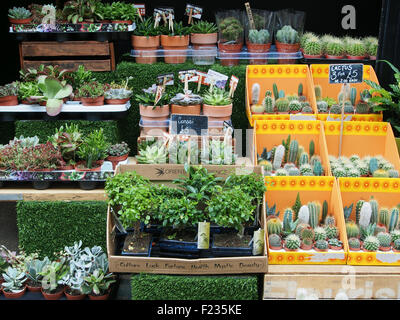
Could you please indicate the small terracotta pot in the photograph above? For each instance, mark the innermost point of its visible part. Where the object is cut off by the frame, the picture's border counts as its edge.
(320, 250)
(258, 48)
(12, 295)
(153, 131)
(64, 168)
(385, 249)
(372, 57)
(103, 297)
(174, 43)
(229, 48)
(96, 166)
(306, 247)
(200, 40)
(27, 102)
(275, 248)
(33, 288)
(356, 57)
(220, 112)
(20, 21)
(122, 21)
(116, 101)
(115, 160)
(287, 48)
(395, 250)
(9, 101)
(73, 297)
(289, 250)
(352, 249)
(311, 56)
(90, 102)
(335, 248)
(195, 110)
(146, 44)
(52, 296)
(151, 113)
(334, 57)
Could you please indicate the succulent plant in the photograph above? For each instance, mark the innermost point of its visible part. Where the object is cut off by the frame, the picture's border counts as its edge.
(282, 105)
(383, 217)
(384, 238)
(203, 27)
(318, 92)
(274, 226)
(352, 229)
(371, 243)
(304, 215)
(322, 106)
(295, 105)
(274, 240)
(354, 243)
(257, 108)
(307, 109)
(306, 169)
(334, 242)
(331, 232)
(19, 13)
(320, 234)
(339, 172)
(348, 108)
(371, 45)
(13, 280)
(230, 29)
(395, 235)
(292, 242)
(217, 97)
(293, 172)
(269, 104)
(380, 174)
(287, 35)
(307, 233)
(313, 46)
(187, 99)
(278, 157)
(396, 244)
(9, 89)
(152, 154)
(335, 47)
(362, 107)
(119, 149)
(281, 172)
(259, 36)
(304, 38)
(118, 93)
(321, 244)
(394, 219)
(355, 47)
(335, 109)
(304, 158)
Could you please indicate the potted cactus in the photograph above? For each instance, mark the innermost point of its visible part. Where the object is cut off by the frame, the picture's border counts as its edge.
(335, 48)
(19, 15)
(217, 104)
(287, 40)
(258, 41)
(9, 94)
(355, 49)
(230, 28)
(186, 103)
(146, 40)
(312, 48)
(371, 45)
(203, 36)
(175, 43)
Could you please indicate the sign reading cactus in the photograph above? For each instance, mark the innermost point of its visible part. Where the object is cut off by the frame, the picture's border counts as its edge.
(346, 73)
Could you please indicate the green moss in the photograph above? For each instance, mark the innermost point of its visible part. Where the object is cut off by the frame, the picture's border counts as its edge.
(174, 287)
(47, 227)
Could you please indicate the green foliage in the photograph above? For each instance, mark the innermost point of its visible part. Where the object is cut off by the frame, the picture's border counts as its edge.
(93, 148)
(231, 29)
(253, 184)
(81, 10)
(178, 30)
(91, 89)
(203, 27)
(146, 28)
(19, 13)
(9, 89)
(47, 227)
(175, 287)
(123, 11)
(217, 97)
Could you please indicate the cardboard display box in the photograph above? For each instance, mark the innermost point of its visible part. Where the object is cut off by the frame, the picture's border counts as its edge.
(282, 191)
(287, 78)
(231, 265)
(268, 134)
(320, 76)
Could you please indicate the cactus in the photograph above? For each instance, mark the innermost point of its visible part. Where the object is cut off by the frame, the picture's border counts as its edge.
(385, 239)
(358, 210)
(354, 158)
(365, 215)
(362, 107)
(393, 173)
(294, 172)
(380, 174)
(353, 95)
(347, 211)
(259, 36)
(371, 243)
(374, 210)
(257, 108)
(354, 243)
(293, 150)
(335, 47)
(380, 228)
(318, 92)
(331, 231)
(307, 109)
(286, 144)
(313, 214)
(274, 226)
(322, 106)
(348, 109)
(304, 215)
(296, 206)
(355, 47)
(282, 94)
(395, 235)
(384, 217)
(313, 47)
(334, 242)
(295, 105)
(335, 109)
(320, 234)
(330, 220)
(271, 211)
(321, 244)
(292, 242)
(274, 240)
(287, 219)
(278, 157)
(282, 105)
(396, 244)
(352, 229)
(354, 173)
(317, 169)
(269, 104)
(307, 233)
(268, 93)
(289, 166)
(365, 95)
(292, 97)
(255, 93)
(339, 172)
(287, 35)
(394, 219)
(368, 231)
(304, 159)
(324, 210)
(363, 168)
(300, 90)
(267, 165)
(281, 173)
(276, 92)
(315, 158)
(300, 227)
(306, 170)
(311, 148)
(300, 152)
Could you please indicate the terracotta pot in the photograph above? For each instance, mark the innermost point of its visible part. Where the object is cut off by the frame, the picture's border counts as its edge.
(311, 56)
(115, 160)
(158, 113)
(351, 249)
(275, 248)
(122, 21)
(320, 250)
(305, 247)
(80, 166)
(287, 48)
(12, 295)
(174, 43)
(73, 297)
(147, 44)
(52, 296)
(20, 21)
(356, 57)
(103, 297)
(42, 170)
(9, 101)
(200, 40)
(395, 250)
(290, 250)
(33, 288)
(27, 102)
(195, 110)
(372, 57)
(335, 248)
(229, 48)
(116, 101)
(385, 249)
(258, 48)
(42, 103)
(90, 102)
(218, 111)
(64, 168)
(334, 57)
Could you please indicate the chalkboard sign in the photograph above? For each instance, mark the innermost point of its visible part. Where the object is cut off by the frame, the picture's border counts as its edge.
(346, 73)
(189, 124)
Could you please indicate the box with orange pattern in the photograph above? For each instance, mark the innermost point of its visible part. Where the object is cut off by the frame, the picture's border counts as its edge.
(287, 78)
(283, 191)
(271, 133)
(387, 194)
(320, 78)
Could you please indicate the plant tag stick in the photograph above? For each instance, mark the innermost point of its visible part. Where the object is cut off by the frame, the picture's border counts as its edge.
(171, 24)
(164, 82)
(250, 15)
(203, 235)
(186, 82)
(212, 81)
(156, 20)
(258, 242)
(190, 16)
(164, 18)
(159, 93)
(199, 84)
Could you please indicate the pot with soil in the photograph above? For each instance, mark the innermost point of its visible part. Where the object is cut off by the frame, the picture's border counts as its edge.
(117, 153)
(217, 105)
(175, 43)
(179, 243)
(204, 38)
(186, 103)
(9, 94)
(287, 41)
(13, 295)
(73, 294)
(258, 42)
(92, 151)
(92, 93)
(117, 96)
(146, 41)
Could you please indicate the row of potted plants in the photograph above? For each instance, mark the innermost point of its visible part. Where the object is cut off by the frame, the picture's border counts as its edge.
(77, 11)
(331, 47)
(76, 272)
(67, 149)
(167, 217)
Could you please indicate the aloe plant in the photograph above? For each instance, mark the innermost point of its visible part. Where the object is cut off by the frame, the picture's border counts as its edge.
(203, 27)
(217, 97)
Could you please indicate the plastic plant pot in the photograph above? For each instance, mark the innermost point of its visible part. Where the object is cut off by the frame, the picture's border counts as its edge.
(204, 48)
(9, 101)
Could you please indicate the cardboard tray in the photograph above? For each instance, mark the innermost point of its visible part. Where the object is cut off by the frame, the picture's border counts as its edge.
(387, 193)
(320, 76)
(234, 265)
(287, 77)
(268, 134)
(283, 191)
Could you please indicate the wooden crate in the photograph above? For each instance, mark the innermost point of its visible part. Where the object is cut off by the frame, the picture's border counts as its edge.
(93, 55)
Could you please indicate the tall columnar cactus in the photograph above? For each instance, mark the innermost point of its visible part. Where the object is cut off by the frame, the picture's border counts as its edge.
(275, 90)
(304, 215)
(274, 226)
(324, 210)
(293, 150)
(365, 215)
(394, 219)
(374, 210)
(317, 169)
(353, 95)
(300, 90)
(278, 157)
(311, 148)
(296, 206)
(384, 217)
(304, 159)
(269, 104)
(352, 229)
(318, 92)
(358, 210)
(373, 165)
(313, 214)
(287, 219)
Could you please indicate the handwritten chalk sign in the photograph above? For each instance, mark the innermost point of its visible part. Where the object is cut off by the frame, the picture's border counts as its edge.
(346, 73)
(189, 124)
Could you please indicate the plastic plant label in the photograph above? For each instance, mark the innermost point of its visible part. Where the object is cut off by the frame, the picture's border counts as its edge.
(346, 73)
(166, 79)
(233, 84)
(203, 235)
(302, 117)
(141, 7)
(159, 93)
(193, 11)
(220, 79)
(258, 242)
(192, 75)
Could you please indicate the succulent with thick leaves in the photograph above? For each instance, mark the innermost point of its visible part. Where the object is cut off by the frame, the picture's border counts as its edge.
(271, 211)
(384, 238)
(347, 211)
(394, 219)
(120, 93)
(217, 97)
(274, 226)
(19, 13)
(334, 242)
(153, 154)
(13, 280)
(320, 233)
(352, 229)
(292, 242)
(321, 244)
(259, 36)
(371, 243)
(278, 157)
(274, 240)
(354, 243)
(186, 99)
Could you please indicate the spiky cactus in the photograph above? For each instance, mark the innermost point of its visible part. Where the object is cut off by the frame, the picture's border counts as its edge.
(322, 106)
(396, 244)
(339, 172)
(295, 106)
(335, 109)
(331, 231)
(380, 174)
(304, 215)
(373, 165)
(281, 172)
(259, 36)
(318, 92)
(278, 157)
(287, 35)
(394, 219)
(292, 242)
(267, 165)
(274, 240)
(293, 150)
(257, 108)
(320, 234)
(300, 227)
(287, 218)
(352, 229)
(313, 214)
(274, 226)
(269, 104)
(395, 235)
(362, 107)
(335, 47)
(307, 109)
(313, 46)
(321, 244)
(294, 172)
(356, 48)
(354, 243)
(318, 169)
(349, 109)
(374, 210)
(385, 239)
(365, 215)
(307, 233)
(358, 210)
(334, 242)
(303, 159)
(282, 105)
(306, 170)
(371, 243)
(393, 173)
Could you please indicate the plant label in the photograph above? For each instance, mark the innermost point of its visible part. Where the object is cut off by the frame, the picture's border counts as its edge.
(192, 75)
(302, 117)
(166, 79)
(220, 79)
(159, 93)
(164, 13)
(258, 242)
(193, 11)
(346, 118)
(203, 235)
(250, 15)
(141, 8)
(189, 124)
(233, 84)
(346, 73)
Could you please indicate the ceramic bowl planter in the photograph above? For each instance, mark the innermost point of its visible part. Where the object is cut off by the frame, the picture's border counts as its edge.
(258, 48)
(217, 113)
(12, 295)
(149, 45)
(157, 113)
(229, 49)
(92, 102)
(53, 296)
(171, 45)
(9, 101)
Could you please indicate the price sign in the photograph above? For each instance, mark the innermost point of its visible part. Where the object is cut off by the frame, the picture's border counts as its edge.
(189, 124)
(346, 73)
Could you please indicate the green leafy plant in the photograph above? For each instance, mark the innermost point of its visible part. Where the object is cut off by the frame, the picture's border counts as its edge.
(80, 77)
(27, 90)
(217, 97)
(9, 89)
(119, 149)
(53, 275)
(146, 28)
(81, 11)
(19, 13)
(93, 148)
(178, 30)
(68, 139)
(253, 184)
(98, 283)
(92, 89)
(123, 11)
(203, 27)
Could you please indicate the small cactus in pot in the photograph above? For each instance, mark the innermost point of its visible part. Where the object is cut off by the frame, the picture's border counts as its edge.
(371, 243)
(335, 244)
(396, 245)
(385, 240)
(275, 242)
(292, 242)
(306, 244)
(321, 245)
(354, 244)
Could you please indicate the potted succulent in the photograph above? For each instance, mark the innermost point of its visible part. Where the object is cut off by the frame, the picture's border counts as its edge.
(203, 36)
(146, 40)
(312, 48)
(122, 12)
(103, 12)
(27, 90)
(97, 285)
(117, 153)
(217, 104)
(81, 11)
(149, 110)
(34, 268)
(175, 43)
(79, 78)
(92, 93)
(371, 45)
(230, 29)
(275, 242)
(258, 41)
(13, 285)
(355, 49)
(19, 15)
(186, 103)
(92, 152)
(287, 41)
(53, 274)
(9, 94)
(118, 93)
(43, 157)
(335, 48)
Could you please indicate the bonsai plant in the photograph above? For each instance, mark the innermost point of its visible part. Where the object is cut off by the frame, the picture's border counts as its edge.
(34, 268)
(146, 40)
(175, 42)
(117, 153)
(92, 93)
(217, 104)
(122, 12)
(53, 275)
(203, 36)
(19, 15)
(149, 110)
(230, 28)
(186, 103)
(118, 93)
(9, 94)
(97, 285)
(13, 285)
(92, 151)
